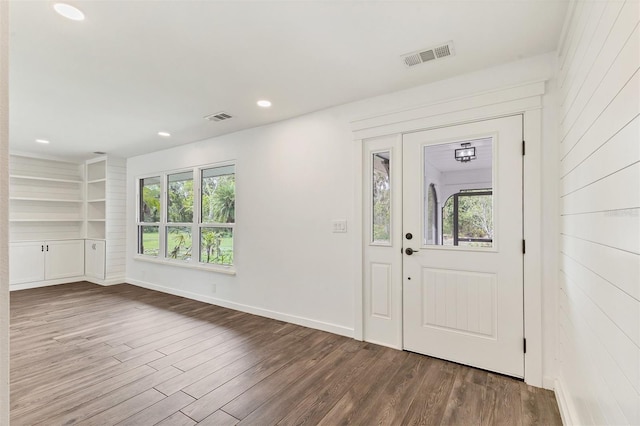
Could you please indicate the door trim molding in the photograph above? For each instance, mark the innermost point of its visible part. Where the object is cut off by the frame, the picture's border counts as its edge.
(525, 99)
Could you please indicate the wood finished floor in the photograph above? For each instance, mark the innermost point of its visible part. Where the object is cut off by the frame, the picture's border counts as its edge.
(91, 355)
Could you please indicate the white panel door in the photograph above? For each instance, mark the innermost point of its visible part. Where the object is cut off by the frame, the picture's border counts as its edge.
(64, 259)
(463, 285)
(26, 262)
(382, 183)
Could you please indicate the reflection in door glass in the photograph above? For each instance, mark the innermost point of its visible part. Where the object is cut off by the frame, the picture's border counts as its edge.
(381, 208)
(458, 197)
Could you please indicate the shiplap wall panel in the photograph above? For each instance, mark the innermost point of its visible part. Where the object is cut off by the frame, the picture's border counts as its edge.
(571, 37)
(115, 231)
(599, 298)
(19, 165)
(607, 352)
(619, 77)
(599, 196)
(605, 159)
(593, 394)
(614, 342)
(575, 52)
(618, 267)
(622, 110)
(621, 308)
(620, 228)
(614, 42)
(576, 79)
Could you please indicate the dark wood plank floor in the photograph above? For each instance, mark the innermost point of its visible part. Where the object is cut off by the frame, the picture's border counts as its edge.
(91, 355)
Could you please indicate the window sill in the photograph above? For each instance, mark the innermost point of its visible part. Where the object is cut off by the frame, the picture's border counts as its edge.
(227, 270)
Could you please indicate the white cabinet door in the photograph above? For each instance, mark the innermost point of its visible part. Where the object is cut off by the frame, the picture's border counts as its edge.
(26, 262)
(94, 252)
(64, 259)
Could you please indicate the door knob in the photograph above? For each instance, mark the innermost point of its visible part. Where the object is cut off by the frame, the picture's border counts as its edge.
(409, 251)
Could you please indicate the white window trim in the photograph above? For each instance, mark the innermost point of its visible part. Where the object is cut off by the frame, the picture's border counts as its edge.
(196, 225)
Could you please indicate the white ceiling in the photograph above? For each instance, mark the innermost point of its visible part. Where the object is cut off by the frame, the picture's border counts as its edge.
(134, 68)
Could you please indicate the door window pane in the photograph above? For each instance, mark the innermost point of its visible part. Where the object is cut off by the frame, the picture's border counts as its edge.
(216, 245)
(150, 200)
(461, 174)
(148, 240)
(381, 196)
(178, 242)
(468, 219)
(180, 192)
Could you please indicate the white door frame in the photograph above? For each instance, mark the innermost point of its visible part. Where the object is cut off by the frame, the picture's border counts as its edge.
(523, 99)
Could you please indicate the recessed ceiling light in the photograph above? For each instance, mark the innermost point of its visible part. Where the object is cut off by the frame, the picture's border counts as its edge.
(69, 12)
(164, 134)
(42, 141)
(264, 103)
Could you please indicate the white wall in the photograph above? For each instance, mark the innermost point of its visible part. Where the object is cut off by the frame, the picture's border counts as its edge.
(599, 293)
(4, 214)
(293, 178)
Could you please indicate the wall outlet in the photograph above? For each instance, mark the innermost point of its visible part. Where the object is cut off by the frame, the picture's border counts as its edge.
(339, 226)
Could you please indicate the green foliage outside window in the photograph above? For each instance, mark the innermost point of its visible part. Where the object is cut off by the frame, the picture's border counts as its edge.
(180, 191)
(475, 219)
(217, 209)
(219, 199)
(150, 206)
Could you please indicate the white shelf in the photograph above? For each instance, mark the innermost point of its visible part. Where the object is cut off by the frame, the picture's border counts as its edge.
(97, 200)
(46, 220)
(56, 200)
(96, 220)
(45, 179)
(96, 181)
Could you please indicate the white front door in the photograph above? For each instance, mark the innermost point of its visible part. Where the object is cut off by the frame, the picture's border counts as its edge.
(462, 217)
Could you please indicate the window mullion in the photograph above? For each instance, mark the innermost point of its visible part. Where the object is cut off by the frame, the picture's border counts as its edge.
(164, 208)
(197, 211)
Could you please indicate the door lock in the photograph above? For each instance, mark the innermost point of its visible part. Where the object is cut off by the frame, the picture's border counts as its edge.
(409, 251)
(408, 235)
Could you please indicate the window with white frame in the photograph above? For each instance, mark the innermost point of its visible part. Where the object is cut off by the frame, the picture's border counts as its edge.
(149, 211)
(188, 216)
(178, 241)
(218, 214)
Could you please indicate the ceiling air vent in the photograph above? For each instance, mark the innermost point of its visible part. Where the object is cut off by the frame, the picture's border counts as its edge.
(426, 55)
(218, 116)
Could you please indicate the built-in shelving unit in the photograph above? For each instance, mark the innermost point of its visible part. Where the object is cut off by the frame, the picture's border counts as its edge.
(46, 199)
(105, 219)
(67, 221)
(96, 198)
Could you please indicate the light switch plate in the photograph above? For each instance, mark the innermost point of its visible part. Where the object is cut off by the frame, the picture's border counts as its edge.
(339, 226)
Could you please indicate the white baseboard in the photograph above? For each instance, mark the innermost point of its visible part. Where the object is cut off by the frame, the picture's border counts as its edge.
(305, 322)
(567, 410)
(47, 283)
(111, 281)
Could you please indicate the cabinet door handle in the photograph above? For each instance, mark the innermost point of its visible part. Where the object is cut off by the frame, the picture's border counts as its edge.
(42, 247)
(47, 247)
